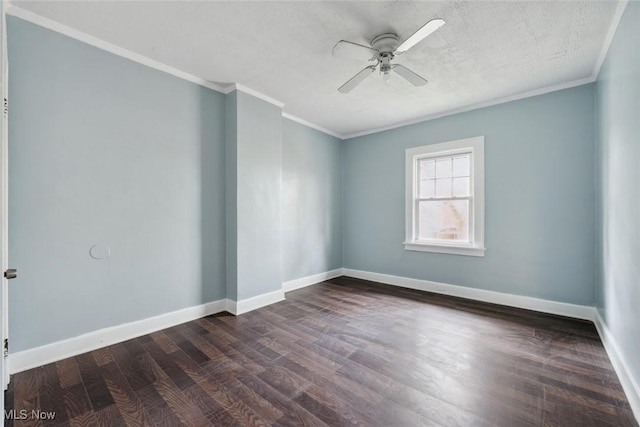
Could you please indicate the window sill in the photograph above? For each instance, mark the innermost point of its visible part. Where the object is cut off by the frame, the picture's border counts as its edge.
(444, 249)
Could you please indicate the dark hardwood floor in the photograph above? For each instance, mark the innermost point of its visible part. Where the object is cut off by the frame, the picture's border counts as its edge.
(343, 352)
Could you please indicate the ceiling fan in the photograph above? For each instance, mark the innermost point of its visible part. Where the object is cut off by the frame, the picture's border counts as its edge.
(384, 48)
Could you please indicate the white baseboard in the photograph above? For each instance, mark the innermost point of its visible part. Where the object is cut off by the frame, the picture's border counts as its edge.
(253, 303)
(302, 282)
(536, 304)
(38, 356)
(230, 306)
(629, 385)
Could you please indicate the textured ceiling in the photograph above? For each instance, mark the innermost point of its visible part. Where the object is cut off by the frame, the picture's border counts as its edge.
(487, 50)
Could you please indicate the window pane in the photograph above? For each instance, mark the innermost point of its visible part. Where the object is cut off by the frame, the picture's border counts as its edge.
(427, 169)
(461, 165)
(460, 187)
(427, 188)
(443, 167)
(443, 187)
(444, 220)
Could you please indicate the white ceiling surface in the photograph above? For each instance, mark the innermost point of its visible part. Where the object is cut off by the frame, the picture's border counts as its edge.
(487, 50)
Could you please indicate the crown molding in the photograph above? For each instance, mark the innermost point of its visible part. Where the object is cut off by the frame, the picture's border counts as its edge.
(617, 16)
(312, 125)
(49, 24)
(260, 95)
(241, 88)
(39, 20)
(75, 34)
(497, 101)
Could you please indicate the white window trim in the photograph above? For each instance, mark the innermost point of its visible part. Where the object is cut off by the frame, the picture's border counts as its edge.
(473, 145)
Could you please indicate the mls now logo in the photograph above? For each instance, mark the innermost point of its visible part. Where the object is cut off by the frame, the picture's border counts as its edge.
(23, 414)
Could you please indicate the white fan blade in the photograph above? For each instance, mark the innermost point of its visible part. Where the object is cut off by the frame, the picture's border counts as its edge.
(419, 35)
(357, 79)
(408, 75)
(349, 50)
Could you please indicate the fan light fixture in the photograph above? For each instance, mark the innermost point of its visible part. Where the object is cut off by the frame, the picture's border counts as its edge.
(384, 48)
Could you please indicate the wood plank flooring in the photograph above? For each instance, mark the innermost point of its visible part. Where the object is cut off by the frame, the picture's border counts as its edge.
(343, 352)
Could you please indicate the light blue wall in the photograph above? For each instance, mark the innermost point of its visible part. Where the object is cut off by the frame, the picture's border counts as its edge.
(231, 198)
(539, 197)
(203, 196)
(259, 182)
(618, 116)
(107, 151)
(311, 201)
(182, 183)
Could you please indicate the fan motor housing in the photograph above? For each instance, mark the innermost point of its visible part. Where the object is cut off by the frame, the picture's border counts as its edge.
(385, 43)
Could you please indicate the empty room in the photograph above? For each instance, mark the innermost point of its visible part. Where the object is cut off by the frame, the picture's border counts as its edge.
(320, 213)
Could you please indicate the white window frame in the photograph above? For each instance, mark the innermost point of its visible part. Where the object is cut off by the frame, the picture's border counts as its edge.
(475, 247)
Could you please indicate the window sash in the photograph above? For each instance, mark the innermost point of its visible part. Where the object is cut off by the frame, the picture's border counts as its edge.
(439, 156)
(427, 199)
(474, 200)
(417, 199)
(470, 220)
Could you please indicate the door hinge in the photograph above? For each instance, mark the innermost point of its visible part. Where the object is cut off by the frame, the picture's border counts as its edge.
(5, 107)
(6, 347)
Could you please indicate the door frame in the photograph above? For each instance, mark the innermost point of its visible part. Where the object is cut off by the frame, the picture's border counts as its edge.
(4, 202)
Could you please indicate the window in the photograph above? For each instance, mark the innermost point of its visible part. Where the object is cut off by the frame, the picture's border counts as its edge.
(445, 198)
